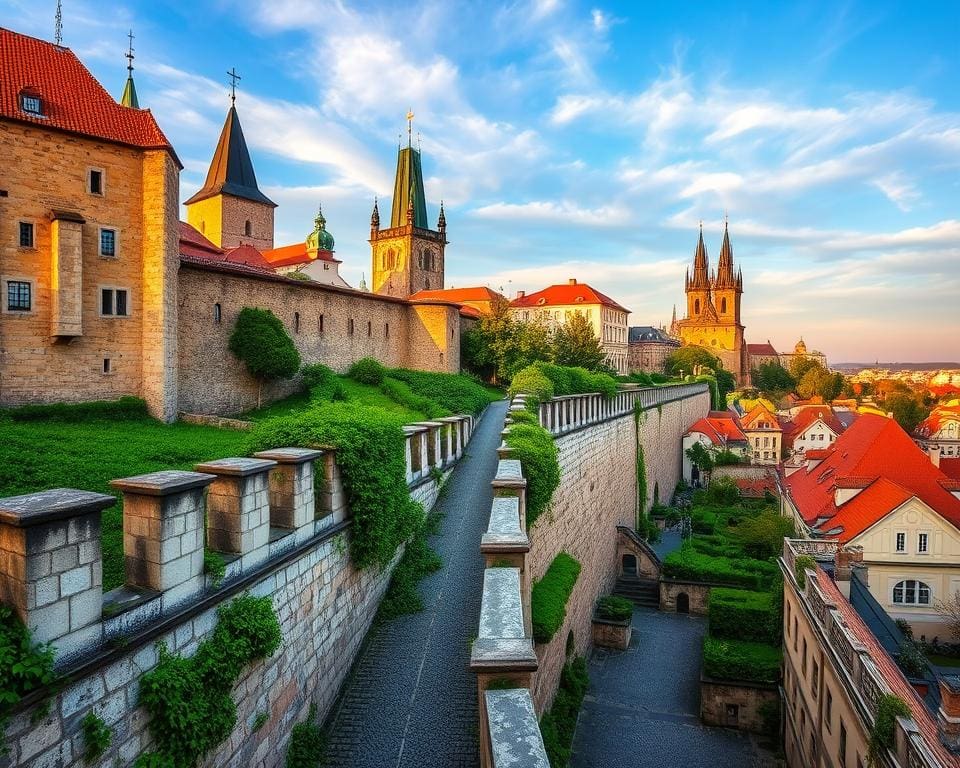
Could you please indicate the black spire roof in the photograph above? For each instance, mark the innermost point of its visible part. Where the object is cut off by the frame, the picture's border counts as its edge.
(231, 170)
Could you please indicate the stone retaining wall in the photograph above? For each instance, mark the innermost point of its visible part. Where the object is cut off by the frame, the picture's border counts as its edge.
(736, 704)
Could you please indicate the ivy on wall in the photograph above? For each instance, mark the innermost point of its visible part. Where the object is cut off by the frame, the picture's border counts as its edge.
(25, 666)
(889, 708)
(189, 699)
(549, 596)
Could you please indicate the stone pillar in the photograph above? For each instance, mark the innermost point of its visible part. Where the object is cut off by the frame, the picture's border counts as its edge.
(509, 481)
(163, 532)
(332, 499)
(238, 508)
(292, 489)
(409, 452)
(51, 568)
(432, 438)
(66, 274)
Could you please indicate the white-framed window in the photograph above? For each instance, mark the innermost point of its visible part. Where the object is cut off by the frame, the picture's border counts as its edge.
(107, 244)
(114, 302)
(911, 592)
(26, 234)
(923, 543)
(18, 295)
(32, 104)
(900, 541)
(96, 181)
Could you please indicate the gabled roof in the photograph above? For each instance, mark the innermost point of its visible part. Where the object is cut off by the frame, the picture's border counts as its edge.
(291, 255)
(806, 417)
(567, 294)
(195, 248)
(231, 170)
(720, 426)
(937, 419)
(192, 243)
(872, 447)
(762, 350)
(72, 99)
(757, 412)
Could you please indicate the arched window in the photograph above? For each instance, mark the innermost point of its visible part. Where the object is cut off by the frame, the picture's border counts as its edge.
(696, 307)
(296, 322)
(428, 284)
(420, 260)
(217, 314)
(911, 592)
(723, 305)
(247, 228)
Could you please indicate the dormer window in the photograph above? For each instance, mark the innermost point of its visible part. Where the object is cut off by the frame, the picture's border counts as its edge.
(31, 103)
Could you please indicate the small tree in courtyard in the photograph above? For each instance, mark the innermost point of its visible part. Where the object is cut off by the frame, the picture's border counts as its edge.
(575, 344)
(949, 609)
(263, 344)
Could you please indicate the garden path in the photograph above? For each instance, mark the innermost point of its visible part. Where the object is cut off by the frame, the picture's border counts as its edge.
(411, 699)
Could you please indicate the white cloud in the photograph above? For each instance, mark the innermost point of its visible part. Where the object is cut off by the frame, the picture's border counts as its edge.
(565, 212)
(898, 190)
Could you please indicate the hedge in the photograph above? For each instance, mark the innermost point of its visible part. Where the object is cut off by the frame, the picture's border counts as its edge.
(726, 659)
(322, 383)
(687, 563)
(703, 522)
(568, 380)
(548, 600)
(400, 393)
(456, 392)
(370, 452)
(614, 608)
(741, 614)
(558, 725)
(124, 408)
(367, 370)
(531, 382)
(534, 447)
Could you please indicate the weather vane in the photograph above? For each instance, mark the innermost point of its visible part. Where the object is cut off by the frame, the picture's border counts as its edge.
(129, 53)
(410, 126)
(234, 79)
(58, 25)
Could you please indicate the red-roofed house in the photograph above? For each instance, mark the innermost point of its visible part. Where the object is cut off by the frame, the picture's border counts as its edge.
(762, 354)
(875, 489)
(312, 258)
(479, 299)
(939, 434)
(811, 427)
(763, 433)
(558, 302)
(718, 430)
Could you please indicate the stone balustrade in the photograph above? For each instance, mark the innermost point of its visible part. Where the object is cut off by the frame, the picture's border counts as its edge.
(561, 415)
(513, 730)
(251, 511)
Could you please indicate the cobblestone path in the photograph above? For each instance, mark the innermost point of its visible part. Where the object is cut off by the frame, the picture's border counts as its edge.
(642, 707)
(411, 699)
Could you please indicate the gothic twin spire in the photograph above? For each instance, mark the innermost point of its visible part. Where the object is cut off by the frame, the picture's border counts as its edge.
(724, 278)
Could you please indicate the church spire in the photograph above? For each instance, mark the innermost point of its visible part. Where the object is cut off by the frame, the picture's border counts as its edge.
(129, 97)
(701, 265)
(725, 274)
(408, 192)
(375, 216)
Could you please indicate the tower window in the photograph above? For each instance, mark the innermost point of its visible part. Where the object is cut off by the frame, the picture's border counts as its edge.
(723, 305)
(18, 296)
(217, 313)
(696, 307)
(113, 302)
(247, 229)
(26, 234)
(106, 365)
(108, 243)
(95, 182)
(320, 323)
(386, 330)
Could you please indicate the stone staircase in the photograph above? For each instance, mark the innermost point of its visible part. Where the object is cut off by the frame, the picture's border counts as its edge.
(641, 591)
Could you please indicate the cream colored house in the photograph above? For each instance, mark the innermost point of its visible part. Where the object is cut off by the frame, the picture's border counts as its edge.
(556, 304)
(764, 434)
(874, 490)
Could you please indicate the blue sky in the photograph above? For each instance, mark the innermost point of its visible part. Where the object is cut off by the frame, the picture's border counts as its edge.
(588, 139)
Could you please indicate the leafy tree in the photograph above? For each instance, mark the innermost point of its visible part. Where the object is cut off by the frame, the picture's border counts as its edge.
(762, 536)
(498, 345)
(687, 358)
(726, 383)
(907, 408)
(575, 343)
(532, 342)
(700, 457)
(818, 381)
(773, 380)
(800, 365)
(263, 344)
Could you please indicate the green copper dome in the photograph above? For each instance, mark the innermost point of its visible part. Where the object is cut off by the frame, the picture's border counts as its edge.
(320, 239)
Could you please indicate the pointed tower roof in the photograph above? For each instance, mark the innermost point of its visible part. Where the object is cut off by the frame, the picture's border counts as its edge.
(129, 97)
(408, 192)
(701, 277)
(231, 170)
(725, 274)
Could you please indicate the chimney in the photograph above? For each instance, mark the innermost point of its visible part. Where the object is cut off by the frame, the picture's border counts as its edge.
(847, 558)
(572, 281)
(521, 294)
(934, 454)
(948, 716)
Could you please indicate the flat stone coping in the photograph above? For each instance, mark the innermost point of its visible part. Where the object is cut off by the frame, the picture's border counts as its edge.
(503, 531)
(236, 467)
(451, 419)
(515, 739)
(501, 609)
(290, 455)
(48, 506)
(518, 407)
(428, 424)
(126, 598)
(163, 483)
(410, 429)
(509, 474)
(503, 654)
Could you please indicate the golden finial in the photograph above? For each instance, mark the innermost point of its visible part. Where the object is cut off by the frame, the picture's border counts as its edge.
(410, 127)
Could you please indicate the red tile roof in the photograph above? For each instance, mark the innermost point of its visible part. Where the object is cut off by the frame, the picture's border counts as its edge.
(762, 350)
(72, 99)
(479, 293)
(720, 426)
(951, 468)
(806, 417)
(291, 255)
(888, 670)
(757, 412)
(193, 243)
(566, 294)
(873, 446)
(938, 418)
(196, 248)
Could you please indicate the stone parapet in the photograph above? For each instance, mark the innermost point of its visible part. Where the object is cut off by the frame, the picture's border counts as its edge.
(513, 730)
(292, 497)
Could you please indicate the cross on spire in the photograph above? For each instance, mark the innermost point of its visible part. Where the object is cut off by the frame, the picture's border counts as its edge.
(129, 53)
(410, 127)
(234, 79)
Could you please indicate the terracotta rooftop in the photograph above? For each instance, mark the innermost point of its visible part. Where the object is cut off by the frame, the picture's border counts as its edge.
(762, 349)
(291, 255)
(806, 417)
(71, 98)
(196, 248)
(951, 468)
(567, 294)
(720, 426)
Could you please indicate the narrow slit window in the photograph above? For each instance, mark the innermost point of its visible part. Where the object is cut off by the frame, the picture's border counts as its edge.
(320, 323)
(26, 234)
(96, 182)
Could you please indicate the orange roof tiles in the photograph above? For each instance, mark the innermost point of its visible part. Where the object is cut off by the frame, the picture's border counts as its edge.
(479, 293)
(72, 99)
(873, 446)
(758, 412)
(951, 468)
(720, 426)
(806, 417)
(564, 295)
(762, 350)
(291, 255)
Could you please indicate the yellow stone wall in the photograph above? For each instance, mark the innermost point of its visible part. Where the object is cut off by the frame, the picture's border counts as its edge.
(222, 220)
(45, 170)
(401, 275)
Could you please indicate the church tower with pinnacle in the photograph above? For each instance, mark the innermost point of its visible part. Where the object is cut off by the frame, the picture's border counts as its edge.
(408, 256)
(713, 308)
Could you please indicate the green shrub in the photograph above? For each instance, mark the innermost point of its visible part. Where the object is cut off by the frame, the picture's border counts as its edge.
(539, 461)
(762, 535)
(419, 560)
(322, 383)
(368, 370)
(715, 401)
(261, 342)
(524, 417)
(569, 380)
(455, 392)
(703, 521)
(400, 393)
(614, 608)
(189, 699)
(306, 743)
(548, 599)
(557, 726)
(215, 566)
(25, 666)
(889, 708)
(726, 659)
(741, 614)
(687, 563)
(801, 565)
(96, 736)
(154, 760)
(723, 490)
(531, 382)
(648, 530)
(906, 629)
(911, 660)
(124, 408)
(370, 453)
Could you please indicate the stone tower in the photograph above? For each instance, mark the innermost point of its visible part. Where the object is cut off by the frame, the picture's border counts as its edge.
(713, 309)
(408, 256)
(230, 209)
